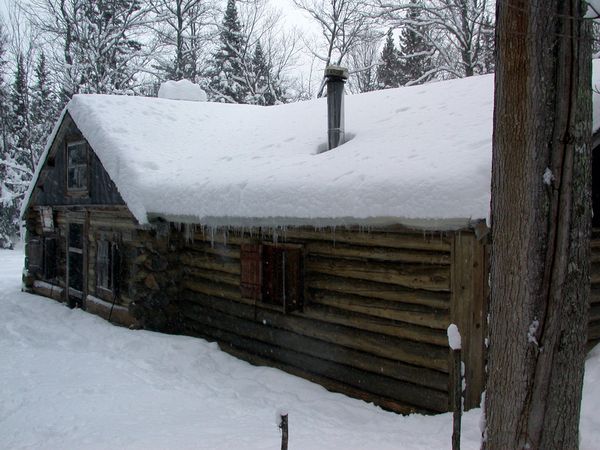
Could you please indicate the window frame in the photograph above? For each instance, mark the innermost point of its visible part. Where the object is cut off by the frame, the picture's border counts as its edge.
(107, 272)
(257, 278)
(81, 191)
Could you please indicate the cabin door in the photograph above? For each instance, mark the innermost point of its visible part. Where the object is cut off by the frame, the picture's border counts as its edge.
(75, 260)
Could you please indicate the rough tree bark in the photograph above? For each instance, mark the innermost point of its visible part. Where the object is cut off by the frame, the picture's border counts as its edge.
(541, 224)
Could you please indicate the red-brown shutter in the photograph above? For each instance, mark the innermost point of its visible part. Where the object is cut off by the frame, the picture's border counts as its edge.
(294, 283)
(251, 279)
(273, 275)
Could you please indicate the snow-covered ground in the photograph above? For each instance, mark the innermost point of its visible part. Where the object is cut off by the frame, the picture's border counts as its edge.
(69, 380)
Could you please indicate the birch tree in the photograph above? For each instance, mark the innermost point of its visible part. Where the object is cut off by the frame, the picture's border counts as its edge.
(184, 30)
(344, 24)
(541, 225)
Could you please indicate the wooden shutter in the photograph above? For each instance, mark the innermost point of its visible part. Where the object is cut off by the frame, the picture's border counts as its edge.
(294, 279)
(273, 275)
(35, 256)
(50, 258)
(251, 271)
(115, 268)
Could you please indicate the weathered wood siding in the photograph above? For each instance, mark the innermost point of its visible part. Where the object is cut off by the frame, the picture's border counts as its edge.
(377, 306)
(51, 188)
(594, 318)
(116, 221)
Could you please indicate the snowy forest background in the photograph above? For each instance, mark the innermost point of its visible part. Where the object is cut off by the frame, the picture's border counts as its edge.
(239, 51)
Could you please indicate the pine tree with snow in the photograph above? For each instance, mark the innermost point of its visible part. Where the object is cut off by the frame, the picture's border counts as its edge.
(265, 87)
(106, 47)
(227, 77)
(17, 159)
(20, 119)
(7, 171)
(388, 71)
(44, 107)
(415, 51)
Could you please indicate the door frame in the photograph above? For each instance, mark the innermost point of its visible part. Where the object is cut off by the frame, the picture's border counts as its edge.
(74, 297)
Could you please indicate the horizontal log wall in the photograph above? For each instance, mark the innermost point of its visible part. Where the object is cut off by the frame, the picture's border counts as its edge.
(594, 318)
(377, 306)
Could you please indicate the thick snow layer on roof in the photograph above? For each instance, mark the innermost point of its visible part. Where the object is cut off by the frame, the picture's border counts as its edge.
(418, 155)
(414, 153)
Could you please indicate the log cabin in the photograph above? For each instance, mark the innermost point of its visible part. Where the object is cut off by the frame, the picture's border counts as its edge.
(339, 253)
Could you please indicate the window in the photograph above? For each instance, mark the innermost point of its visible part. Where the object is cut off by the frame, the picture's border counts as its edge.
(77, 167)
(273, 274)
(42, 257)
(107, 265)
(47, 218)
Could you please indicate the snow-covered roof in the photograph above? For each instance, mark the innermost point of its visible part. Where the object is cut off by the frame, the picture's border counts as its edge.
(417, 155)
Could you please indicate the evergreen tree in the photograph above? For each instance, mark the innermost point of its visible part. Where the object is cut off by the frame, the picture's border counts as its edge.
(7, 209)
(416, 65)
(227, 75)
(20, 119)
(44, 107)
(388, 71)
(265, 87)
(104, 46)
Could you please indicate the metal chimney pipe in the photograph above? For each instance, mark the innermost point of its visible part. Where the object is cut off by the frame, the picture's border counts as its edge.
(336, 77)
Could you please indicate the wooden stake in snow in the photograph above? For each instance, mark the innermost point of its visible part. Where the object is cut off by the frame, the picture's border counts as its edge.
(454, 341)
(283, 424)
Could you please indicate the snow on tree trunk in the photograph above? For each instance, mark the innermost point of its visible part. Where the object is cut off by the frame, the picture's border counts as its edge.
(541, 230)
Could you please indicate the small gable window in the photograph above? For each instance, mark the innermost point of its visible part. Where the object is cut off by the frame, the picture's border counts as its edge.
(273, 274)
(107, 266)
(77, 166)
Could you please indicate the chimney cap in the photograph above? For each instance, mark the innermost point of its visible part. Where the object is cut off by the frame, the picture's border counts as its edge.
(336, 72)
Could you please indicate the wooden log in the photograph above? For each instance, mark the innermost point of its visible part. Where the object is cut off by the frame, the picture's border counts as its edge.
(211, 288)
(595, 295)
(594, 331)
(595, 272)
(229, 251)
(205, 275)
(341, 250)
(375, 324)
(402, 312)
(208, 262)
(220, 237)
(314, 347)
(363, 380)
(330, 385)
(410, 352)
(413, 241)
(594, 312)
(414, 276)
(384, 291)
(595, 256)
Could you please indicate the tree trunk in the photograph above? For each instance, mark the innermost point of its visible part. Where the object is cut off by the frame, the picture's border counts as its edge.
(541, 225)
